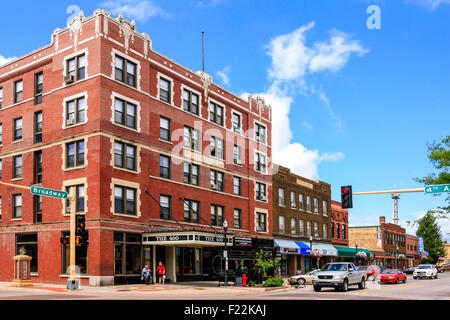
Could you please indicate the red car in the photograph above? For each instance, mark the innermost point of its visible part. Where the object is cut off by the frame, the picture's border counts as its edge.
(372, 271)
(393, 276)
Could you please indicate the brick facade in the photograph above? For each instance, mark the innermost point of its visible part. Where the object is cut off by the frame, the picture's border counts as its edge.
(339, 224)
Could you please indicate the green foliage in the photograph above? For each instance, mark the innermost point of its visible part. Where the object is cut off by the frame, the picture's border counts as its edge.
(432, 237)
(273, 282)
(251, 283)
(263, 263)
(439, 155)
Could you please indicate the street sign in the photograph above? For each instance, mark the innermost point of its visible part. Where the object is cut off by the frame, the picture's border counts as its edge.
(38, 191)
(442, 188)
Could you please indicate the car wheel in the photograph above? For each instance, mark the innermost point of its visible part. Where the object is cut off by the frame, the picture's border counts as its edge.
(414, 277)
(301, 281)
(345, 286)
(317, 288)
(362, 284)
(397, 281)
(406, 278)
(436, 276)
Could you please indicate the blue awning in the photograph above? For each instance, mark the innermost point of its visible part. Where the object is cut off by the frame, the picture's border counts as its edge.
(304, 248)
(287, 247)
(328, 249)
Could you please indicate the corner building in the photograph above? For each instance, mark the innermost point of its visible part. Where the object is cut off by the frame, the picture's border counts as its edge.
(160, 157)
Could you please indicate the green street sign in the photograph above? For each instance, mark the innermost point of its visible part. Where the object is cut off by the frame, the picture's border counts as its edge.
(442, 188)
(38, 191)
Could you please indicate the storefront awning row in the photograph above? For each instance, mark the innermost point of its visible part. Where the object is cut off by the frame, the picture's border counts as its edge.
(297, 247)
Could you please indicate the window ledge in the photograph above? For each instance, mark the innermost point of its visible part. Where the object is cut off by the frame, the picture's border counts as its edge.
(125, 127)
(17, 141)
(165, 141)
(73, 125)
(126, 215)
(75, 168)
(16, 179)
(126, 170)
(16, 219)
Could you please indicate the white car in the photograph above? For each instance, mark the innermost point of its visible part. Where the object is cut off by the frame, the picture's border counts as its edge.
(425, 271)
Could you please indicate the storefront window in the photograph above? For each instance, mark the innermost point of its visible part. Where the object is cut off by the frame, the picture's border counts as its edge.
(81, 256)
(30, 244)
(188, 261)
(127, 253)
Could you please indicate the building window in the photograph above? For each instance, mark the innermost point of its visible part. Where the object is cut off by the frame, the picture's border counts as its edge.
(191, 211)
(260, 132)
(125, 156)
(301, 204)
(281, 224)
(332, 229)
(308, 228)
(316, 230)
(164, 90)
(125, 113)
(37, 209)
(190, 102)
(325, 231)
(165, 210)
(1, 134)
(38, 87)
(81, 256)
(191, 138)
(217, 215)
(293, 203)
(191, 173)
(17, 168)
(343, 232)
(260, 162)
(216, 147)
(18, 91)
(0, 208)
(125, 200)
(38, 127)
(237, 218)
(236, 122)
(76, 67)
(260, 191)
(325, 208)
(302, 227)
(293, 226)
(316, 206)
(17, 129)
(1, 169)
(217, 179)
(216, 113)
(164, 129)
(281, 197)
(79, 198)
(308, 203)
(237, 186)
(125, 71)
(237, 155)
(261, 222)
(338, 231)
(29, 242)
(38, 167)
(76, 111)
(17, 206)
(75, 154)
(1, 97)
(164, 167)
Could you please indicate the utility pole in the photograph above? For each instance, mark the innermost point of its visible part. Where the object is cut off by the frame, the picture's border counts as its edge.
(73, 284)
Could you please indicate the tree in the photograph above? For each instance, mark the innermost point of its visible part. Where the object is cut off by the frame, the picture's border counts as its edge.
(430, 231)
(439, 155)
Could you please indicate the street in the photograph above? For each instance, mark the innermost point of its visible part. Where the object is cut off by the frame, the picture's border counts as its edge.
(425, 289)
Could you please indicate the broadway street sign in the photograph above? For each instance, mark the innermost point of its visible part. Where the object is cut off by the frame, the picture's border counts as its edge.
(38, 191)
(438, 189)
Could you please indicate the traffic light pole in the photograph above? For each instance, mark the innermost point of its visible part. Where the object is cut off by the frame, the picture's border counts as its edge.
(72, 284)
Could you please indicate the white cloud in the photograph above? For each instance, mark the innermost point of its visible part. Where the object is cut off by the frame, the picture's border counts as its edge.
(224, 75)
(208, 4)
(430, 4)
(307, 126)
(4, 60)
(140, 10)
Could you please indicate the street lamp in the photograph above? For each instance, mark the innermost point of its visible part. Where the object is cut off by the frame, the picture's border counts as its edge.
(396, 259)
(310, 246)
(225, 254)
(356, 255)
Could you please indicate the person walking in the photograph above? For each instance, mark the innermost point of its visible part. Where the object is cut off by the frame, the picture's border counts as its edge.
(161, 273)
(146, 275)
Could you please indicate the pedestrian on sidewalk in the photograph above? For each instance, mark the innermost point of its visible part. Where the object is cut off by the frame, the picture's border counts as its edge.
(161, 273)
(146, 275)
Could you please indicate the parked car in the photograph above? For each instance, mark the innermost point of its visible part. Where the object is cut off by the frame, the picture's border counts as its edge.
(409, 270)
(444, 267)
(425, 271)
(372, 271)
(393, 276)
(303, 278)
(339, 275)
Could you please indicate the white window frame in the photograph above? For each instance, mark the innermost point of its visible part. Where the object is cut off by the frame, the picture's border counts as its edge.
(224, 112)
(86, 109)
(115, 95)
(115, 52)
(254, 131)
(73, 55)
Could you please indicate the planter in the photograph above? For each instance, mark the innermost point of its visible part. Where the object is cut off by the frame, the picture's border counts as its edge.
(362, 255)
(316, 253)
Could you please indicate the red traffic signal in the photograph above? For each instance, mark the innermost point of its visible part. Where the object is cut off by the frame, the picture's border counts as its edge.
(346, 197)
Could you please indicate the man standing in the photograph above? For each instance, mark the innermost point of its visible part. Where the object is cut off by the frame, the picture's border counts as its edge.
(161, 273)
(146, 275)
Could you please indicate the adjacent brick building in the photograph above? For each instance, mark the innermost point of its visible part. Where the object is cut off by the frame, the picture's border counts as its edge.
(157, 152)
(301, 216)
(386, 240)
(339, 224)
(412, 251)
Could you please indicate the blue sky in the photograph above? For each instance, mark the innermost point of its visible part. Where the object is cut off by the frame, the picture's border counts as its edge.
(353, 105)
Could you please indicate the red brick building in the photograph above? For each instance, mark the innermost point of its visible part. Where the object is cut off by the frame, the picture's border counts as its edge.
(339, 224)
(412, 251)
(157, 152)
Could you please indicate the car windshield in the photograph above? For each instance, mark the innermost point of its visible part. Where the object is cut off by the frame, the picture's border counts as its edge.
(390, 271)
(424, 267)
(334, 267)
(311, 273)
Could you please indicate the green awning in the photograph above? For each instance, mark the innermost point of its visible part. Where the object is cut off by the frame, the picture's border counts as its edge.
(349, 252)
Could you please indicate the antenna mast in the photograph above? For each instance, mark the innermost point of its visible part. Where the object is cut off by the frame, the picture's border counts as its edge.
(203, 51)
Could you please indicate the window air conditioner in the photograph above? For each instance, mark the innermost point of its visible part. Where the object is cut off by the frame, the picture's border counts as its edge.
(69, 122)
(69, 79)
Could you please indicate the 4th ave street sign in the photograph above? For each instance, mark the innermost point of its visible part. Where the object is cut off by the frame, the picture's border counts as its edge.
(442, 188)
(38, 191)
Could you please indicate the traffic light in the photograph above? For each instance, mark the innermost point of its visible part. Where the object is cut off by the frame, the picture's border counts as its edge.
(80, 228)
(346, 197)
(65, 240)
